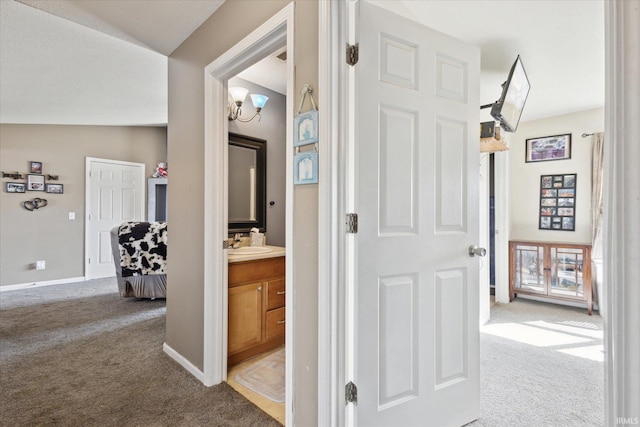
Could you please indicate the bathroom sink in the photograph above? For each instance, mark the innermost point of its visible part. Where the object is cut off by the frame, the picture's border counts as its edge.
(250, 250)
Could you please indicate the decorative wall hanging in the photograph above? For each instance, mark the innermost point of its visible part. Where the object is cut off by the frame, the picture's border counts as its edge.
(35, 181)
(14, 187)
(37, 203)
(558, 202)
(305, 168)
(306, 124)
(12, 175)
(556, 147)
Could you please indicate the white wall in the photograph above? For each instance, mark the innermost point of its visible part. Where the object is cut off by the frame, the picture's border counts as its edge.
(524, 178)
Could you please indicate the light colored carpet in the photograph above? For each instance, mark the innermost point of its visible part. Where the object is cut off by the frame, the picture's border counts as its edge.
(266, 376)
(541, 365)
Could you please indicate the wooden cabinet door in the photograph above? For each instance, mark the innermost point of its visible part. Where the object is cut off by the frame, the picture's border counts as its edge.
(245, 316)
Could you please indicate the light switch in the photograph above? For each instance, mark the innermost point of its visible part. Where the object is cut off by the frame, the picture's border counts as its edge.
(72, 216)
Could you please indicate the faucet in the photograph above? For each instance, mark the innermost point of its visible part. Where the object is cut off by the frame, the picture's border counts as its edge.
(236, 241)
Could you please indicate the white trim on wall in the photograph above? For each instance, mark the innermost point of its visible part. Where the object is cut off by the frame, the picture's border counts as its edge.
(275, 33)
(502, 226)
(484, 239)
(621, 212)
(19, 286)
(331, 235)
(190, 367)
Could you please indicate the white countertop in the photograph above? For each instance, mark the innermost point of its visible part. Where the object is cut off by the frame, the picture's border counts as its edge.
(276, 251)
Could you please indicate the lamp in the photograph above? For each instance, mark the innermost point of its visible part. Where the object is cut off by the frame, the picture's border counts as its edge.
(238, 94)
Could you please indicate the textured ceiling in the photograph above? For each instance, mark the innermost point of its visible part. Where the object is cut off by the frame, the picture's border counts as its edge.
(104, 62)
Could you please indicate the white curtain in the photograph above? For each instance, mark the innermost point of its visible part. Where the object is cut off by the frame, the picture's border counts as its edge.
(597, 163)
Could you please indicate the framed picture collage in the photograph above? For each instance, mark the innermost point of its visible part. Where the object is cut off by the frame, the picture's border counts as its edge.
(558, 202)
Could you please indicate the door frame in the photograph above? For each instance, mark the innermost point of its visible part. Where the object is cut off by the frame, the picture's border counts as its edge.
(334, 188)
(87, 199)
(273, 34)
(335, 30)
(621, 295)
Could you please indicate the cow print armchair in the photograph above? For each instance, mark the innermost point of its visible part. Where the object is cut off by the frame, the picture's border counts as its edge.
(140, 257)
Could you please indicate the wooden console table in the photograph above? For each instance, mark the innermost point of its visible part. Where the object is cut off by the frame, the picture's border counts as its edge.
(561, 271)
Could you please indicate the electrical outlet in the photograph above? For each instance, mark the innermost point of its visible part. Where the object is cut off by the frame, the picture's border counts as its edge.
(72, 216)
(40, 265)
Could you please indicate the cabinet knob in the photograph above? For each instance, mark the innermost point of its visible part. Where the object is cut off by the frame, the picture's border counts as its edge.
(280, 322)
(259, 288)
(280, 292)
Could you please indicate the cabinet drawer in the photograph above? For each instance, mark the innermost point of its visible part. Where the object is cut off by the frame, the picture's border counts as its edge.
(275, 294)
(275, 322)
(255, 270)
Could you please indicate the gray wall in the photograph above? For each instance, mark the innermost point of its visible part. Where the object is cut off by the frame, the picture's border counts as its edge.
(234, 20)
(271, 127)
(47, 234)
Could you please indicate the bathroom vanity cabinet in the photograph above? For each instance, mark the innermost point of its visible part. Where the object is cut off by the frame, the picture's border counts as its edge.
(561, 271)
(256, 307)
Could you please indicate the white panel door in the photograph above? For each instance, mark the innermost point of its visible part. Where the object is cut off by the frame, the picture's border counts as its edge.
(416, 327)
(115, 194)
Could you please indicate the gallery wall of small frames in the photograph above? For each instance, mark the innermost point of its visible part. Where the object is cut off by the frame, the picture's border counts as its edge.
(558, 202)
(34, 180)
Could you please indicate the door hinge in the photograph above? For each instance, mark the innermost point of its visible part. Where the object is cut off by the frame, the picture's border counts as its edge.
(352, 54)
(351, 393)
(225, 244)
(352, 223)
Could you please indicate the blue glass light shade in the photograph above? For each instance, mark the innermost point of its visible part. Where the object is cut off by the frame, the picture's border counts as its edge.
(259, 101)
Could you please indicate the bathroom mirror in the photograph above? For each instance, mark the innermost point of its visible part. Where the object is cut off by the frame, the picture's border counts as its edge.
(247, 183)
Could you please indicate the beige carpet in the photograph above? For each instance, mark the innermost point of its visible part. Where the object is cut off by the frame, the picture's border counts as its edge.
(266, 376)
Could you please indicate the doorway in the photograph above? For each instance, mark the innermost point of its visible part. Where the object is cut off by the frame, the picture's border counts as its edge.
(274, 34)
(257, 192)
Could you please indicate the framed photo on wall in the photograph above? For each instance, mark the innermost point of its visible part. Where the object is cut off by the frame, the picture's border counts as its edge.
(36, 167)
(556, 147)
(55, 188)
(557, 202)
(14, 187)
(35, 182)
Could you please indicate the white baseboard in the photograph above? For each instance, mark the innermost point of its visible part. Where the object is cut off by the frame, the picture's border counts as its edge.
(39, 284)
(182, 361)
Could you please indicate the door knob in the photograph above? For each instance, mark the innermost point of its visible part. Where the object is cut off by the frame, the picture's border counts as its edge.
(474, 250)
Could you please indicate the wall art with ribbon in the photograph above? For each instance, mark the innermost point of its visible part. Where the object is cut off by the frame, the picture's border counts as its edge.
(305, 163)
(306, 124)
